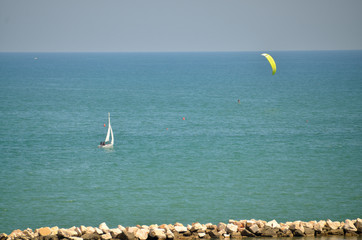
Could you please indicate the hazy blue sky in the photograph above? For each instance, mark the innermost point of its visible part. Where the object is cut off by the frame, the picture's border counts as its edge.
(179, 25)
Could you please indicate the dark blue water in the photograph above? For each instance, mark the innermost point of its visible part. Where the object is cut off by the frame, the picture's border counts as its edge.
(291, 150)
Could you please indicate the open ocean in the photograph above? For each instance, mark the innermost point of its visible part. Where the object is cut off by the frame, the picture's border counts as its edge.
(291, 150)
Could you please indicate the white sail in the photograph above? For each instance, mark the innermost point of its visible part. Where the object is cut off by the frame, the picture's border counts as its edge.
(111, 135)
(106, 143)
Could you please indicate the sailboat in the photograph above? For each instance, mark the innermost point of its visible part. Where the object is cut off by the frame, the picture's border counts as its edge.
(107, 143)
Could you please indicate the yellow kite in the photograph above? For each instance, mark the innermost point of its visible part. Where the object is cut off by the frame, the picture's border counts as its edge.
(271, 61)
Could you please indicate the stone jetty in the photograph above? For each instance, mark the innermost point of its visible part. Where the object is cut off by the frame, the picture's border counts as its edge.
(234, 229)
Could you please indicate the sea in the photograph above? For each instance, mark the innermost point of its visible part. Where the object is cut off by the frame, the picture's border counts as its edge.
(198, 137)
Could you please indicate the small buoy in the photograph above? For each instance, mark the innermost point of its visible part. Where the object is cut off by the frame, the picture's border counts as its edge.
(104, 125)
(183, 118)
(166, 128)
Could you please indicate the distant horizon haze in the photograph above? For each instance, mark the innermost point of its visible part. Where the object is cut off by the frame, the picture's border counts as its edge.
(179, 26)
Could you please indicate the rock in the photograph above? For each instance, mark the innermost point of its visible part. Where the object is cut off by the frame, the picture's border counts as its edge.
(115, 232)
(45, 231)
(125, 235)
(358, 225)
(285, 232)
(30, 234)
(201, 234)
(309, 232)
(235, 235)
(214, 234)
(106, 236)
(157, 233)
(333, 225)
(298, 233)
(318, 226)
(187, 233)
(76, 238)
(273, 224)
(338, 231)
(197, 226)
(16, 234)
(181, 229)
(221, 226)
(249, 223)
(67, 233)
(169, 234)
(247, 233)
(297, 228)
(103, 226)
(49, 237)
(3, 236)
(132, 229)
(83, 229)
(91, 236)
(349, 226)
(230, 228)
(98, 231)
(254, 229)
(268, 231)
(90, 230)
(141, 234)
(121, 227)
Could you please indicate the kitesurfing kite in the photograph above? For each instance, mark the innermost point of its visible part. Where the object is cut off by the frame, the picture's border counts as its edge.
(271, 61)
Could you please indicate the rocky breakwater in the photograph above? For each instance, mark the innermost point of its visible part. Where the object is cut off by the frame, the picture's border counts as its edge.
(233, 230)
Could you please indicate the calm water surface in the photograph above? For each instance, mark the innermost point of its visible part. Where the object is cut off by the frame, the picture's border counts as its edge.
(291, 150)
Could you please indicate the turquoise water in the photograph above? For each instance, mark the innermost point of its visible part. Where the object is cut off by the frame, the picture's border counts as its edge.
(291, 150)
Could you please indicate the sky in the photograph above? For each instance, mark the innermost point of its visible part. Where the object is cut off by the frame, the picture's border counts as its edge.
(179, 25)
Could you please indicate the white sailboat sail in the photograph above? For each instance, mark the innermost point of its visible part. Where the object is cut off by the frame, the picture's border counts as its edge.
(112, 142)
(106, 143)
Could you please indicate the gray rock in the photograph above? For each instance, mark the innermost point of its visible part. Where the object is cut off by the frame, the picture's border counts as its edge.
(91, 236)
(247, 233)
(309, 232)
(255, 229)
(214, 234)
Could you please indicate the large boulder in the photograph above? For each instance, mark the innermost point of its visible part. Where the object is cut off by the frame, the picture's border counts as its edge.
(45, 231)
(309, 232)
(247, 233)
(297, 228)
(235, 235)
(115, 232)
(358, 225)
(349, 226)
(3, 236)
(221, 227)
(268, 231)
(89, 230)
(231, 228)
(338, 231)
(67, 233)
(180, 229)
(254, 229)
(214, 234)
(157, 233)
(333, 225)
(141, 234)
(106, 236)
(126, 235)
(272, 224)
(91, 236)
(16, 234)
(197, 226)
(103, 226)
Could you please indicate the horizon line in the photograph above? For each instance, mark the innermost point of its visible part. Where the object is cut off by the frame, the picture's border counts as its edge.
(215, 51)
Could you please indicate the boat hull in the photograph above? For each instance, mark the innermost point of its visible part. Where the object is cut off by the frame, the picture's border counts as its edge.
(106, 146)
